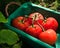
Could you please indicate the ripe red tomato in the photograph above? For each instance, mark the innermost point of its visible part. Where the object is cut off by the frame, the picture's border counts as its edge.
(20, 23)
(29, 20)
(50, 23)
(49, 36)
(37, 17)
(34, 30)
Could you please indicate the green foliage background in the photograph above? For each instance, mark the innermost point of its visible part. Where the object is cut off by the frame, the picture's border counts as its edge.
(8, 38)
(3, 4)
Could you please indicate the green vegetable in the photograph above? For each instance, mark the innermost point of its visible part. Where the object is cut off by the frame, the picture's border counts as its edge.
(2, 18)
(8, 36)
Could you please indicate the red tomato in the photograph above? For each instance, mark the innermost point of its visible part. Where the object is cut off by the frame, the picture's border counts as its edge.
(34, 30)
(29, 20)
(50, 23)
(49, 36)
(37, 17)
(20, 23)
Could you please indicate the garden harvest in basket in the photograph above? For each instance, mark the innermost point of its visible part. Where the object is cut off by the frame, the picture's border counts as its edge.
(38, 26)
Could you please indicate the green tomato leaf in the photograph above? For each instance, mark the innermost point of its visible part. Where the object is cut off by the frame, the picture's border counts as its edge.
(2, 18)
(8, 36)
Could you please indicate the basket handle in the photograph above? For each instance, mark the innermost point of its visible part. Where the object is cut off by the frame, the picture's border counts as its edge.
(6, 8)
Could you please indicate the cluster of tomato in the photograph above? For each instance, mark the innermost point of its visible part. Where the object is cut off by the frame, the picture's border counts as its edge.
(38, 26)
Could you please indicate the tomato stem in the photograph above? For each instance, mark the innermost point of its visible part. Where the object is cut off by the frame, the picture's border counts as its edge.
(34, 20)
(22, 21)
(44, 19)
(41, 26)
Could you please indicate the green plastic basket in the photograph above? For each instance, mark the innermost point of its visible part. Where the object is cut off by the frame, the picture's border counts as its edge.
(26, 9)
